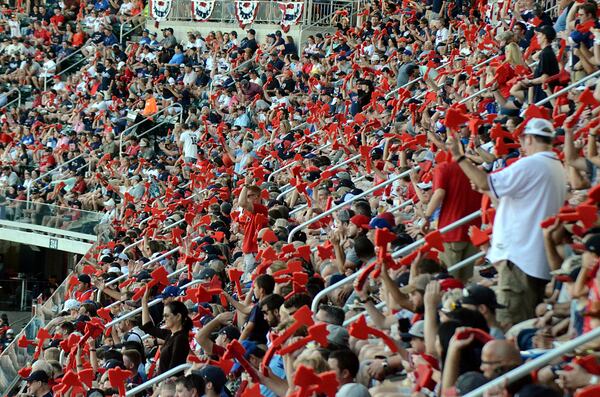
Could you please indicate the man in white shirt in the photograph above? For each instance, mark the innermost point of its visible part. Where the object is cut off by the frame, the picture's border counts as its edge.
(188, 144)
(528, 191)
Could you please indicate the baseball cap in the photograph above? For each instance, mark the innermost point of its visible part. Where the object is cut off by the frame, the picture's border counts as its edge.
(213, 374)
(205, 273)
(425, 185)
(418, 284)
(592, 244)
(38, 376)
(71, 304)
(481, 295)
(417, 330)
(407, 52)
(338, 335)
(538, 126)
(547, 31)
(344, 216)
(231, 332)
(379, 223)
(361, 221)
(470, 381)
(84, 278)
(170, 292)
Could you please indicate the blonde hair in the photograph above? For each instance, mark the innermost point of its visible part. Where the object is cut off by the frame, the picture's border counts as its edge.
(514, 56)
(52, 354)
(312, 358)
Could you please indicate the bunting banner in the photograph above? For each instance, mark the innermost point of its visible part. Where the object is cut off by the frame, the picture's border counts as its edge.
(245, 12)
(160, 9)
(202, 9)
(291, 12)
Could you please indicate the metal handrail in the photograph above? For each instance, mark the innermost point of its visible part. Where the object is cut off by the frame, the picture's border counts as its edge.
(58, 166)
(291, 164)
(345, 204)
(173, 274)
(154, 380)
(131, 127)
(526, 368)
(566, 89)
(57, 61)
(138, 310)
(466, 261)
(134, 27)
(403, 251)
(153, 261)
(18, 99)
(453, 268)
(335, 167)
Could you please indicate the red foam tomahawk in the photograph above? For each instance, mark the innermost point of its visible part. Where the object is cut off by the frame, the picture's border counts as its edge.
(586, 99)
(160, 276)
(69, 382)
(41, 337)
(117, 378)
(235, 275)
(360, 330)
(432, 240)
(235, 350)
(303, 317)
(310, 383)
(316, 332)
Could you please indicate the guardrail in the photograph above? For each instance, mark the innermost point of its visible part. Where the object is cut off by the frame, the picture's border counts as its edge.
(403, 251)
(151, 382)
(459, 265)
(154, 117)
(62, 60)
(17, 99)
(345, 204)
(134, 26)
(526, 368)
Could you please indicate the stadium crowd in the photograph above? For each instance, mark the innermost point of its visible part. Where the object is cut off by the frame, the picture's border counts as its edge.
(204, 154)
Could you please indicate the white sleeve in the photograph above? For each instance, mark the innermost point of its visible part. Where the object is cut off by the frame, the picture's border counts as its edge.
(510, 181)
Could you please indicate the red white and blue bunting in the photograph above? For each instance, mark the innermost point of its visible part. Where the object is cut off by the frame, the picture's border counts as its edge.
(245, 12)
(202, 9)
(291, 12)
(160, 9)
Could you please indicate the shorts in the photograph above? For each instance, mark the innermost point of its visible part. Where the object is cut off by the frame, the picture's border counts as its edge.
(519, 292)
(455, 252)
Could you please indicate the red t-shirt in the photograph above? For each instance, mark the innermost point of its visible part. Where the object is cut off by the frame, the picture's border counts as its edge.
(252, 226)
(459, 201)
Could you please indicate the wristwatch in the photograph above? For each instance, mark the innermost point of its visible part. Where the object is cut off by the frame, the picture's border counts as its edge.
(385, 364)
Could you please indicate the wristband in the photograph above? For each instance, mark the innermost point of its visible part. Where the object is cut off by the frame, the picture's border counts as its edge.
(461, 158)
(594, 380)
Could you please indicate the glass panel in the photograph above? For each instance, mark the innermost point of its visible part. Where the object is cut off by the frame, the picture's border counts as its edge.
(13, 358)
(49, 215)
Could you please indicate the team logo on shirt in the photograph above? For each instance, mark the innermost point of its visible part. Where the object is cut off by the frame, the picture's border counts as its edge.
(245, 12)
(202, 10)
(290, 13)
(160, 9)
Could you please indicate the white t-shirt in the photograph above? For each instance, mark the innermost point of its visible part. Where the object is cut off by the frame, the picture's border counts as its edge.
(49, 68)
(190, 143)
(126, 8)
(530, 190)
(15, 28)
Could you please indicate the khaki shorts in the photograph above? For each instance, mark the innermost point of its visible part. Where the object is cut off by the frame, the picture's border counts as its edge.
(456, 252)
(519, 292)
